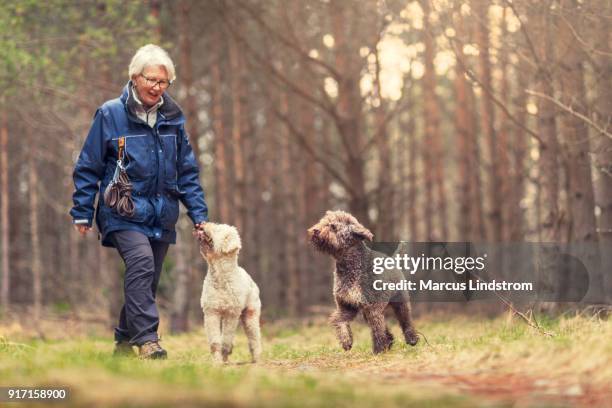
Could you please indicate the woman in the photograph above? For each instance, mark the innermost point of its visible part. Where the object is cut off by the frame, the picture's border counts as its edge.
(146, 129)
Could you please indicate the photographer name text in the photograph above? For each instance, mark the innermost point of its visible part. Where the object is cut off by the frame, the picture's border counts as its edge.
(431, 285)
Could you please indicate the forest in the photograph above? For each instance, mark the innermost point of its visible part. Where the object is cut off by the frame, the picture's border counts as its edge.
(447, 125)
(428, 120)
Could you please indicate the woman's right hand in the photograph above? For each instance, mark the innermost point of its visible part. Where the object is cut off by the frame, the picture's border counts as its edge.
(83, 229)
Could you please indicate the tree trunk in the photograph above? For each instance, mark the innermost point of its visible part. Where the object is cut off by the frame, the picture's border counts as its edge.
(519, 151)
(580, 182)
(603, 152)
(307, 210)
(253, 193)
(384, 224)
(36, 262)
(487, 122)
(465, 129)
(547, 130)
(571, 59)
(548, 186)
(290, 266)
(154, 12)
(179, 321)
(238, 113)
(179, 318)
(477, 214)
(105, 276)
(348, 122)
(191, 110)
(508, 202)
(4, 215)
(433, 150)
(413, 186)
(222, 199)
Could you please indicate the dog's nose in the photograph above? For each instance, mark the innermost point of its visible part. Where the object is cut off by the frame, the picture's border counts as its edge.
(315, 232)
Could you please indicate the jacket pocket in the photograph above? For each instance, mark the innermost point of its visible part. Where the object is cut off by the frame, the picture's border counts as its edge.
(170, 211)
(139, 155)
(170, 155)
(143, 211)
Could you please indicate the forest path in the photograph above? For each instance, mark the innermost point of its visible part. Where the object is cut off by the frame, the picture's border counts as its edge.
(467, 361)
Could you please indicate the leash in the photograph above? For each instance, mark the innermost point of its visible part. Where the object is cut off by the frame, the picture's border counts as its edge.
(118, 194)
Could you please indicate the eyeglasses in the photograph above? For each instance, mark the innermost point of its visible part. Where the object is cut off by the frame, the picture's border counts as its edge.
(152, 82)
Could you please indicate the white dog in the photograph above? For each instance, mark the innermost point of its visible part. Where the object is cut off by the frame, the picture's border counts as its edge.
(229, 294)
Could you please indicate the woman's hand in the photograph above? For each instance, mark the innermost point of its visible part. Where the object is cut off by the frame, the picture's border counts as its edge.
(82, 229)
(197, 230)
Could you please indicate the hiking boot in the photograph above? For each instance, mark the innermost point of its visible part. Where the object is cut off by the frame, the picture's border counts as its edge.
(151, 350)
(123, 349)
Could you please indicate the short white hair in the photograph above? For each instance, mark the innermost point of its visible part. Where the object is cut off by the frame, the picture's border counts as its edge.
(151, 55)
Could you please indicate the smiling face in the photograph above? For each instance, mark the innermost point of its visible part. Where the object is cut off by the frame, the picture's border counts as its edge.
(148, 84)
(337, 231)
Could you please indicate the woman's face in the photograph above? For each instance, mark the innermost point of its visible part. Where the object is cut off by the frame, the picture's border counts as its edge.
(151, 85)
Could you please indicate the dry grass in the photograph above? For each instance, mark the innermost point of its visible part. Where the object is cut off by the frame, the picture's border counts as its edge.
(469, 362)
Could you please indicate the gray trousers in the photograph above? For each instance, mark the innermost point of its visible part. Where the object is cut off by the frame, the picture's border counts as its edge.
(143, 258)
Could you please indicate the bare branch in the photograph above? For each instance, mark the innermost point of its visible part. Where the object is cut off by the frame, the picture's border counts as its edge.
(491, 94)
(588, 48)
(293, 45)
(571, 111)
(530, 322)
(277, 74)
(303, 141)
(530, 45)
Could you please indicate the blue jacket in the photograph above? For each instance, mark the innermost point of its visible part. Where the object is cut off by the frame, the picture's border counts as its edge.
(160, 164)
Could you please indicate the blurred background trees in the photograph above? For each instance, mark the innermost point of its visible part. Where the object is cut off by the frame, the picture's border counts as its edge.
(476, 120)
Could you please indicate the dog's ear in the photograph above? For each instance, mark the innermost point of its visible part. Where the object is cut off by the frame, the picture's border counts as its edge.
(362, 232)
(231, 242)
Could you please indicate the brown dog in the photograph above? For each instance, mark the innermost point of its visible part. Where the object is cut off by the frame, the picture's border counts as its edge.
(340, 234)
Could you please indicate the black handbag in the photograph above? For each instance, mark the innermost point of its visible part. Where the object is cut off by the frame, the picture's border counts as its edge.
(118, 193)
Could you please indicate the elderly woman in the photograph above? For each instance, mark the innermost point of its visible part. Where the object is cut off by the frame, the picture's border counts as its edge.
(145, 128)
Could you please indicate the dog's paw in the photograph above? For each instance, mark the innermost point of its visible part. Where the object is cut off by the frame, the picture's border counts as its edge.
(383, 344)
(379, 348)
(226, 351)
(390, 340)
(412, 337)
(217, 359)
(215, 352)
(347, 345)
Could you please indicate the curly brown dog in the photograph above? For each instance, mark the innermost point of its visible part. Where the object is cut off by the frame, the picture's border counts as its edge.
(340, 234)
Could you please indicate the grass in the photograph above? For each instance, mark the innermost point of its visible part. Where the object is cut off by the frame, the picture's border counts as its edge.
(468, 362)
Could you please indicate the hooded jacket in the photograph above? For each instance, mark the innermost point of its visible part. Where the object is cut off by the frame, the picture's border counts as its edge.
(159, 162)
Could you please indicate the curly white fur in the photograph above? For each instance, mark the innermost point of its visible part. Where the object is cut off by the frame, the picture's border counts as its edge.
(229, 294)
